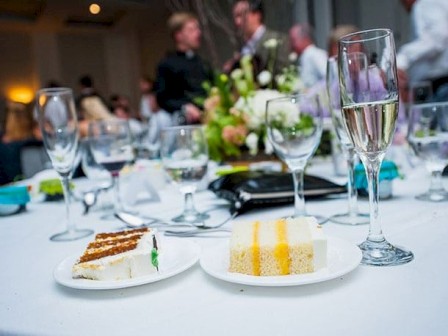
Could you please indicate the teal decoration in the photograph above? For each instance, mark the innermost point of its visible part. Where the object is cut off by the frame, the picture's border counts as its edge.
(388, 171)
(17, 195)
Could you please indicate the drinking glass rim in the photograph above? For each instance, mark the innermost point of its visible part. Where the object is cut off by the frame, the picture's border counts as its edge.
(425, 105)
(346, 38)
(55, 91)
(289, 97)
(185, 127)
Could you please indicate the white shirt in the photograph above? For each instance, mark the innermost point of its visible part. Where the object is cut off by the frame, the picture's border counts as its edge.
(426, 57)
(251, 44)
(313, 65)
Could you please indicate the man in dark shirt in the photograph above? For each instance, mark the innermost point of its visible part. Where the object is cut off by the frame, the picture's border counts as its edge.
(180, 74)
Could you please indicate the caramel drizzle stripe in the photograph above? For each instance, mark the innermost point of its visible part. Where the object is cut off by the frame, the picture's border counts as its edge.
(120, 233)
(98, 244)
(109, 252)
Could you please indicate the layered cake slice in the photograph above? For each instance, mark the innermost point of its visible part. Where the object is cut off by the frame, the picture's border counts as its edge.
(119, 255)
(280, 247)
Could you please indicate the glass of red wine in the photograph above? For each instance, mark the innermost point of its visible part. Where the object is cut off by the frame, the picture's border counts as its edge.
(111, 146)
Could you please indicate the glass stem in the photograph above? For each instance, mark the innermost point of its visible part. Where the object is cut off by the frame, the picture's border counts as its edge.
(351, 187)
(372, 166)
(189, 204)
(436, 182)
(65, 180)
(299, 198)
(117, 198)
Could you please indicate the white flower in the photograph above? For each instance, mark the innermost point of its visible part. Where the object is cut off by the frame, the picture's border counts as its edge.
(252, 143)
(271, 43)
(280, 79)
(264, 78)
(236, 74)
(268, 148)
(292, 57)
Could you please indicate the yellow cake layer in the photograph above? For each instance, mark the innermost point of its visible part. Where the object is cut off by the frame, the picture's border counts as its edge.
(280, 247)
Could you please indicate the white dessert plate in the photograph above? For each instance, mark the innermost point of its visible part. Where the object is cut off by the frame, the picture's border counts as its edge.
(342, 258)
(178, 256)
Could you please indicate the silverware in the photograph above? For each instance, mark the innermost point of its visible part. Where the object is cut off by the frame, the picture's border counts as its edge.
(133, 221)
(203, 233)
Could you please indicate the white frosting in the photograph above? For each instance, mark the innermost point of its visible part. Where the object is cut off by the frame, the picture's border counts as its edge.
(127, 265)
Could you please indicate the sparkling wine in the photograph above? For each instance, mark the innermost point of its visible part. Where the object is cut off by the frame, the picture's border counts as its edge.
(371, 126)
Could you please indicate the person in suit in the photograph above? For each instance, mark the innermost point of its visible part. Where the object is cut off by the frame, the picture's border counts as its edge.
(257, 39)
(181, 73)
(313, 61)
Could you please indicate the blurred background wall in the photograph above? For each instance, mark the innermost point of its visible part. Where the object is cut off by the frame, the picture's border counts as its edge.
(43, 40)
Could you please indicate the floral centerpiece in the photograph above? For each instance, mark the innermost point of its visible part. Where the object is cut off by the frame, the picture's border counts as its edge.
(235, 106)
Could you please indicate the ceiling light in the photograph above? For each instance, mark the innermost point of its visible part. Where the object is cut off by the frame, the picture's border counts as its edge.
(94, 8)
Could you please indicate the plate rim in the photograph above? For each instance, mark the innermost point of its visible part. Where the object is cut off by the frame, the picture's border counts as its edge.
(138, 281)
(251, 280)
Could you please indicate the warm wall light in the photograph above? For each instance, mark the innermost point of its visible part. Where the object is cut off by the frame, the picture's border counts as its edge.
(94, 8)
(21, 95)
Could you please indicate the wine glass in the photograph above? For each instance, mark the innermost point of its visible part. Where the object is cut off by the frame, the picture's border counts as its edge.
(428, 137)
(294, 128)
(111, 145)
(352, 217)
(184, 154)
(369, 101)
(59, 127)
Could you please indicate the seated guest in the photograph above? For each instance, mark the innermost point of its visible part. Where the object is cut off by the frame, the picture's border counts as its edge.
(180, 74)
(335, 34)
(121, 110)
(19, 129)
(248, 17)
(146, 86)
(425, 57)
(90, 105)
(312, 60)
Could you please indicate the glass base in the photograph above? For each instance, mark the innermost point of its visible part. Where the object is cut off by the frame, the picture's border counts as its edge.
(433, 196)
(71, 235)
(193, 217)
(347, 219)
(384, 254)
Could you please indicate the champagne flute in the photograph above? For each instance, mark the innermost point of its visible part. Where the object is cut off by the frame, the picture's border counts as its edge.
(59, 127)
(111, 144)
(294, 127)
(369, 101)
(184, 154)
(428, 137)
(352, 217)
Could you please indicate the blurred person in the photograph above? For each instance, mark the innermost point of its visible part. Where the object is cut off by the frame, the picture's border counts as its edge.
(146, 86)
(248, 17)
(90, 105)
(180, 74)
(335, 34)
(312, 60)
(19, 129)
(425, 57)
(121, 110)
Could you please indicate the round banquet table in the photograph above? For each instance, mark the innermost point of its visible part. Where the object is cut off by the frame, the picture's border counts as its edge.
(411, 299)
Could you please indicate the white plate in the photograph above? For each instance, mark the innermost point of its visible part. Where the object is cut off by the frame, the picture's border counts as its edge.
(178, 256)
(342, 258)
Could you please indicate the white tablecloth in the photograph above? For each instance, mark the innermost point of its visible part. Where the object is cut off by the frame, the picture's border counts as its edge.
(404, 300)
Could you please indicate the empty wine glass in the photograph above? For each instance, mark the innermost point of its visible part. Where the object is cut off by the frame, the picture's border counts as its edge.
(294, 127)
(369, 101)
(59, 127)
(428, 137)
(111, 145)
(184, 154)
(352, 217)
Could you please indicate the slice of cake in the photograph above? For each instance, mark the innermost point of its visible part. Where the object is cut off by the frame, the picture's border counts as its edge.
(119, 255)
(280, 247)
